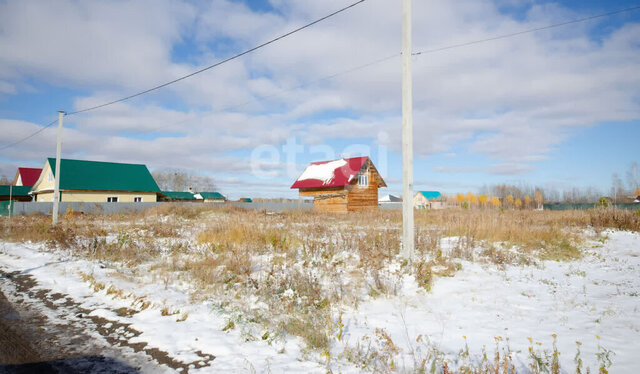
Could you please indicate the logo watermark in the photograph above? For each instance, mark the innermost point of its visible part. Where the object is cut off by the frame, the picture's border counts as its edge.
(269, 161)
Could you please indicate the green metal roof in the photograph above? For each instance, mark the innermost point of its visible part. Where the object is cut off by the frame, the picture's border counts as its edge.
(211, 195)
(15, 190)
(174, 195)
(103, 176)
(431, 195)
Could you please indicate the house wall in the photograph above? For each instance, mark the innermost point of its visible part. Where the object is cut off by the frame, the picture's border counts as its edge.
(336, 204)
(44, 183)
(421, 202)
(362, 198)
(45, 197)
(328, 200)
(98, 196)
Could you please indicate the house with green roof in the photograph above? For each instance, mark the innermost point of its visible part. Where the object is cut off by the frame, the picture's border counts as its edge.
(177, 196)
(211, 197)
(15, 193)
(96, 181)
(429, 200)
(190, 195)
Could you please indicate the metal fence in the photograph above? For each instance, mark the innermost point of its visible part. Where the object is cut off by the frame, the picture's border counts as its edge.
(628, 206)
(20, 208)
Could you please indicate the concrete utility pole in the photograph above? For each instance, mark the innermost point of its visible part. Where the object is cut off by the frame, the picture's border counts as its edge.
(10, 199)
(408, 241)
(56, 190)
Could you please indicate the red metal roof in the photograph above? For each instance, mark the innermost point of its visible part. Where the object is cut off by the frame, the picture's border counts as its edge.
(335, 173)
(29, 176)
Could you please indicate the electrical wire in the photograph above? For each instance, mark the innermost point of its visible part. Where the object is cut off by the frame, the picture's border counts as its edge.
(303, 85)
(28, 136)
(525, 31)
(334, 75)
(220, 62)
(418, 54)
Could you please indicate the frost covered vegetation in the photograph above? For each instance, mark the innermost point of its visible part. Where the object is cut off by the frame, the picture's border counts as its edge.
(291, 274)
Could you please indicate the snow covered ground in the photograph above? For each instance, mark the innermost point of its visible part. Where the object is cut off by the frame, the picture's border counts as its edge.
(594, 300)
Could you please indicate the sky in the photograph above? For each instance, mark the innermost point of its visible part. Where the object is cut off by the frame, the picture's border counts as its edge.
(557, 108)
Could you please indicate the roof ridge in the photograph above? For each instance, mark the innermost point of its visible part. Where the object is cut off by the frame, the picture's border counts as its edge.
(102, 162)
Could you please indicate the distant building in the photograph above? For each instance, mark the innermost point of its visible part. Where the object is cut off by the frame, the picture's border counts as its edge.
(389, 199)
(176, 196)
(341, 186)
(190, 195)
(26, 176)
(21, 185)
(212, 197)
(95, 181)
(429, 200)
(15, 193)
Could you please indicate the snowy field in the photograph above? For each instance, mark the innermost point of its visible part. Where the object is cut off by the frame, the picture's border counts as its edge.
(525, 310)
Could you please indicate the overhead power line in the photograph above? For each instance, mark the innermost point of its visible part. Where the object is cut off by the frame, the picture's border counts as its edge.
(284, 90)
(525, 31)
(220, 62)
(453, 46)
(28, 136)
(383, 59)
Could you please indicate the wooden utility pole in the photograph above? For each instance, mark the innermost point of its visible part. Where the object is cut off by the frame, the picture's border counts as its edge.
(408, 241)
(56, 190)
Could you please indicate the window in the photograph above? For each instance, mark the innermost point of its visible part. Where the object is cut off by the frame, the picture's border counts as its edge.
(363, 180)
(49, 176)
(137, 199)
(112, 199)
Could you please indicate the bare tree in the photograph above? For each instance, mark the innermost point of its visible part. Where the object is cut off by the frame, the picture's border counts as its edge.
(633, 177)
(617, 189)
(180, 180)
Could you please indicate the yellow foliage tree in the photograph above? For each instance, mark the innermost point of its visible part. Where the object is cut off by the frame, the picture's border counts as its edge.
(509, 201)
(472, 199)
(518, 203)
(483, 200)
(527, 201)
(495, 202)
(539, 199)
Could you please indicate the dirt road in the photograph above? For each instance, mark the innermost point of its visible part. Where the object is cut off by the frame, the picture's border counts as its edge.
(45, 332)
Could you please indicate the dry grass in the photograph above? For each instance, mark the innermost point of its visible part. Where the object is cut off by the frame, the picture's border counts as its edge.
(299, 265)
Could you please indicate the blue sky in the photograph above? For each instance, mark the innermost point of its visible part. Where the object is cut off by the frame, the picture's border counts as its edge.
(557, 108)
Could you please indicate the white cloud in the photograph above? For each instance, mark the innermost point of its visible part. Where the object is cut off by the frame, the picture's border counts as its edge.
(512, 100)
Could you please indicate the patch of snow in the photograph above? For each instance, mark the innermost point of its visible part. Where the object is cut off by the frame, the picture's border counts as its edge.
(323, 172)
(594, 300)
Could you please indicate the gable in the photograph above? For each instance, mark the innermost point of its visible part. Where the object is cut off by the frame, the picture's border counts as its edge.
(103, 176)
(27, 176)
